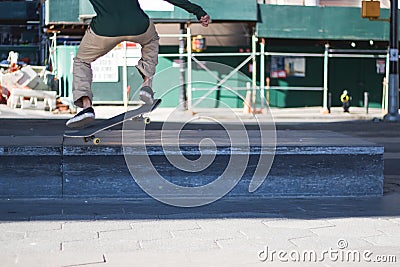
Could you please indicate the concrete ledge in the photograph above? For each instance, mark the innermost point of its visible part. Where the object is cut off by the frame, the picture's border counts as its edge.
(306, 164)
(30, 177)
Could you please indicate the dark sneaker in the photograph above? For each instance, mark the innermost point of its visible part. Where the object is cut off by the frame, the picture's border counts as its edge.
(147, 95)
(82, 118)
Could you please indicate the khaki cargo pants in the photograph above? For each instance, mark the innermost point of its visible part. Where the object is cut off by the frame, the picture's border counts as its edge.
(94, 46)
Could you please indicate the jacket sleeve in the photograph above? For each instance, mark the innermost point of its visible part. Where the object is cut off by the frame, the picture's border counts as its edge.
(189, 7)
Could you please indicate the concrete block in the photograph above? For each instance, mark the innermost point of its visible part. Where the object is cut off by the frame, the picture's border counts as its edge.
(30, 177)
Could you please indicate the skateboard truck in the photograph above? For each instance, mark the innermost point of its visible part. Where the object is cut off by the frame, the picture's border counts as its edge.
(95, 140)
(146, 120)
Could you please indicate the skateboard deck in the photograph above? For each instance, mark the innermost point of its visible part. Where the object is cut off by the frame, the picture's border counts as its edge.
(88, 133)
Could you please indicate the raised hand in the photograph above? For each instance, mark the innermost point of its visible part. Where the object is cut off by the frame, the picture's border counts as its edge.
(205, 20)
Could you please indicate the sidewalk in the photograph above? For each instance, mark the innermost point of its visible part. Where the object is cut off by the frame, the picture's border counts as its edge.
(316, 232)
(275, 232)
(161, 114)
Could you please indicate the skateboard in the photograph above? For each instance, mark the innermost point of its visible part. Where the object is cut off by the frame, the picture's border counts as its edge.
(88, 133)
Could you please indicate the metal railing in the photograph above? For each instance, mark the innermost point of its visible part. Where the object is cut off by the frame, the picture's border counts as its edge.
(254, 55)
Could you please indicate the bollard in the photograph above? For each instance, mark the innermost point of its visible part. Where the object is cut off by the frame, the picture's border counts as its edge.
(329, 102)
(366, 102)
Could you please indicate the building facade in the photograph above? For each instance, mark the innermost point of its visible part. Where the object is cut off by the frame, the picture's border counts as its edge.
(296, 34)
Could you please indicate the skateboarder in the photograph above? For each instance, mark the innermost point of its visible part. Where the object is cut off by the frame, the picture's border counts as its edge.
(117, 21)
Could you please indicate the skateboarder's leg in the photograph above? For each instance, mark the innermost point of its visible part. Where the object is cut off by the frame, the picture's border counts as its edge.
(91, 48)
(149, 60)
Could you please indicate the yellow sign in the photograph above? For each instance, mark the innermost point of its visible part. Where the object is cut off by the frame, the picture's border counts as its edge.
(198, 43)
(370, 9)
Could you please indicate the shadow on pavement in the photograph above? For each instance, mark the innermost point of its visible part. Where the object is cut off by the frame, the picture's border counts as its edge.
(307, 208)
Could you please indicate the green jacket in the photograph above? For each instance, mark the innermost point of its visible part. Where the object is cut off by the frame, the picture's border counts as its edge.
(126, 17)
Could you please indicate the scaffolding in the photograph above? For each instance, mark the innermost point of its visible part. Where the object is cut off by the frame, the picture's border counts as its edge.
(258, 84)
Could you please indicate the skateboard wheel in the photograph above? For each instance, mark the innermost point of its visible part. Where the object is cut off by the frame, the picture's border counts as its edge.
(146, 120)
(96, 141)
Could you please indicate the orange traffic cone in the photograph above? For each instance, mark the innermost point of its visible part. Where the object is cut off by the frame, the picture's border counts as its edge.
(247, 103)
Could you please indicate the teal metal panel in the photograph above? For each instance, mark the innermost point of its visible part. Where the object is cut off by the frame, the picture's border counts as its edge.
(336, 23)
(166, 84)
(219, 10)
(348, 24)
(65, 55)
(13, 10)
(62, 11)
(85, 8)
(229, 12)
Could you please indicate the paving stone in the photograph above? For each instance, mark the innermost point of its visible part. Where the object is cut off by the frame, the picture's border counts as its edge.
(326, 242)
(395, 220)
(29, 245)
(224, 257)
(216, 234)
(62, 236)
(394, 249)
(298, 224)
(279, 239)
(234, 258)
(95, 226)
(356, 227)
(142, 233)
(6, 235)
(167, 225)
(392, 231)
(148, 258)
(51, 259)
(210, 229)
(232, 223)
(30, 226)
(383, 240)
(256, 231)
(8, 259)
(225, 229)
(179, 244)
(254, 245)
(102, 245)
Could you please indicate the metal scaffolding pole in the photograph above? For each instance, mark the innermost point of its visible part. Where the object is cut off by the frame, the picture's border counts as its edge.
(53, 60)
(182, 69)
(393, 93)
(42, 36)
(125, 76)
(325, 109)
(262, 72)
(189, 67)
(254, 68)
